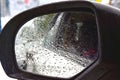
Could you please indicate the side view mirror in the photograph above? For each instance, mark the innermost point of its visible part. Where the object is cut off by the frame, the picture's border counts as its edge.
(69, 40)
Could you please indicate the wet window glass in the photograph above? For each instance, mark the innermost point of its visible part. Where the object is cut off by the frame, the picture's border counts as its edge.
(58, 45)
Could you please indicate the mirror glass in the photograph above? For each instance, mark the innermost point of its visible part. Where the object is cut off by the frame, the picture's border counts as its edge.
(58, 45)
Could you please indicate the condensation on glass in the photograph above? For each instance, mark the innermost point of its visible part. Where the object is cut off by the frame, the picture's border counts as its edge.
(58, 45)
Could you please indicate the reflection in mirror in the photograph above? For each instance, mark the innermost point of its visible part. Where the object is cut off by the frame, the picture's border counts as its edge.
(57, 45)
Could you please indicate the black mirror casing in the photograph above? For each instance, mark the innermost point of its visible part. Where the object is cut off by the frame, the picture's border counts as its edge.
(107, 19)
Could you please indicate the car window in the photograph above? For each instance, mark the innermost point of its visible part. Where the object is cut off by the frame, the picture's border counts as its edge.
(10, 8)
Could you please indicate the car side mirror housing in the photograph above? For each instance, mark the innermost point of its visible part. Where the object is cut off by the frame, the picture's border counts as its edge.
(60, 41)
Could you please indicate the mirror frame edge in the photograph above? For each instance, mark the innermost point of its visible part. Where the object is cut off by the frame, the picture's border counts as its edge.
(18, 73)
